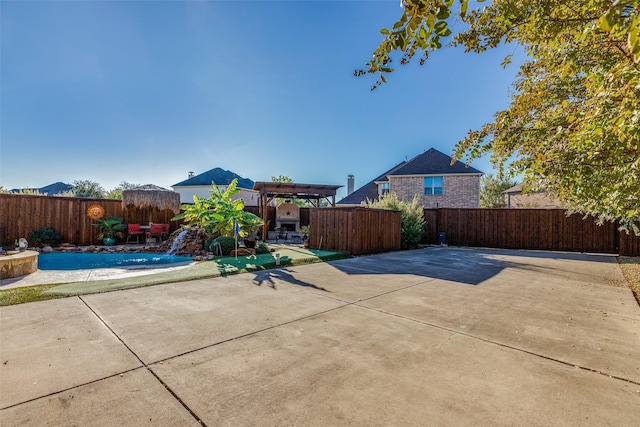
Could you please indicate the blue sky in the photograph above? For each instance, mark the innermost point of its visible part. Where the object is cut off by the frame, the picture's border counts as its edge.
(146, 91)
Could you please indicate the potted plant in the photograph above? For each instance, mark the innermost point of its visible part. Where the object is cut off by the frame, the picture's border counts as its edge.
(304, 230)
(109, 228)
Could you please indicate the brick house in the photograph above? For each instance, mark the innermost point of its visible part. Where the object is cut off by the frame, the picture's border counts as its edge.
(431, 176)
(516, 198)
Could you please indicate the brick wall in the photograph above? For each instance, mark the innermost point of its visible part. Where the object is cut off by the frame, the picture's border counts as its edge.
(459, 191)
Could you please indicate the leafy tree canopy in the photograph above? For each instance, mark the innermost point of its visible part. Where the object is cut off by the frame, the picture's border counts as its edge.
(287, 179)
(116, 193)
(492, 191)
(87, 189)
(573, 123)
(29, 191)
(282, 178)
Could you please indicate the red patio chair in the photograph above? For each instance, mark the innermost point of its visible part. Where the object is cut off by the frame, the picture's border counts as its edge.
(155, 230)
(134, 230)
(165, 231)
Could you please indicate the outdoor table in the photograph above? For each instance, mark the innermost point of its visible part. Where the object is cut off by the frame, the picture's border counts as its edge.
(146, 228)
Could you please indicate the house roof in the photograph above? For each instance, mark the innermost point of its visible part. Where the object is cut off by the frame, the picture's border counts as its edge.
(369, 190)
(515, 189)
(49, 190)
(217, 175)
(433, 162)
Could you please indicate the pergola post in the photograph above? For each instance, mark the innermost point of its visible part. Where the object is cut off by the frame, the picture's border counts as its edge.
(287, 190)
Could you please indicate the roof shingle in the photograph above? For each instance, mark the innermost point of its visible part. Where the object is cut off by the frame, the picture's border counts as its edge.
(433, 162)
(217, 175)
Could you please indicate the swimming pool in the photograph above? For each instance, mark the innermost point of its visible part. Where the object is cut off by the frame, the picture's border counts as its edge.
(87, 261)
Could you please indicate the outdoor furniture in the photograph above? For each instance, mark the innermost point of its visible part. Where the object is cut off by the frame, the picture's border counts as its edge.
(295, 237)
(155, 230)
(281, 234)
(165, 231)
(134, 230)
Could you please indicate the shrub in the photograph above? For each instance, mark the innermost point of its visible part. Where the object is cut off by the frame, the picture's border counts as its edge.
(227, 244)
(44, 236)
(208, 242)
(412, 222)
(262, 248)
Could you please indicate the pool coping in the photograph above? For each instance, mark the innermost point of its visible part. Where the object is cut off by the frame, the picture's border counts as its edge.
(42, 277)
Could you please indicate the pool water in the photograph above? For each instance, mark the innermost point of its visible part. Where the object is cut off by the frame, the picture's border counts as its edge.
(86, 261)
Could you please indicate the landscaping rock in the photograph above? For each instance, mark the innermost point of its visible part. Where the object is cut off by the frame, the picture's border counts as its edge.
(191, 243)
(242, 251)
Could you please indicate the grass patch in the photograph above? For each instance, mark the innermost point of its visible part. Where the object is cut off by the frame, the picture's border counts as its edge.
(202, 270)
(631, 269)
(26, 294)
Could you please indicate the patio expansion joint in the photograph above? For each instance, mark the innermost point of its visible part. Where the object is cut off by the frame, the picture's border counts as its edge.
(249, 334)
(144, 365)
(117, 374)
(489, 341)
(345, 303)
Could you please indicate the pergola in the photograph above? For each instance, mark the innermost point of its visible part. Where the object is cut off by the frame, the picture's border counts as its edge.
(290, 190)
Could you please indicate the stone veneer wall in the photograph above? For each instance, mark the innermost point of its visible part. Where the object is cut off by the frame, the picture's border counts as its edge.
(459, 191)
(18, 264)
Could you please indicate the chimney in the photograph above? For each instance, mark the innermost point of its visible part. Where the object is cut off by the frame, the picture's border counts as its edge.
(191, 174)
(350, 184)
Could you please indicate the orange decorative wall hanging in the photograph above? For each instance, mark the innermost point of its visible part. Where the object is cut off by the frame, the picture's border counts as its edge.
(95, 211)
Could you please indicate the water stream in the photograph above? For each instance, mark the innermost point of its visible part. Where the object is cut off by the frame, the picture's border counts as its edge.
(176, 243)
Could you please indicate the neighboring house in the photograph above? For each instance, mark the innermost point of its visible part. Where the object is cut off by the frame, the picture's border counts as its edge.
(49, 190)
(514, 198)
(200, 185)
(431, 176)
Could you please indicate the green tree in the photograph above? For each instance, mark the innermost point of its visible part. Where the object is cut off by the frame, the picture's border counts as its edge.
(282, 178)
(4, 190)
(412, 217)
(572, 125)
(492, 191)
(116, 193)
(219, 213)
(287, 179)
(30, 192)
(87, 189)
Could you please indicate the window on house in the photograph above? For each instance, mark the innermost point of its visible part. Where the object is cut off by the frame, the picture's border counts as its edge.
(433, 185)
(384, 188)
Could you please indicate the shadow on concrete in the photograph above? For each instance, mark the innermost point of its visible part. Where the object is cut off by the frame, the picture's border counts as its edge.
(463, 265)
(269, 277)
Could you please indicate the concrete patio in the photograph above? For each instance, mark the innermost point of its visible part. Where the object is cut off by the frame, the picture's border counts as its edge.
(439, 336)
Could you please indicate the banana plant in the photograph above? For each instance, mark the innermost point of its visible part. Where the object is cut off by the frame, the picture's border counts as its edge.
(219, 213)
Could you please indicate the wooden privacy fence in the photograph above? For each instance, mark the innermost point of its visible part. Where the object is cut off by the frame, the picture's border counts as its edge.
(544, 229)
(355, 230)
(20, 214)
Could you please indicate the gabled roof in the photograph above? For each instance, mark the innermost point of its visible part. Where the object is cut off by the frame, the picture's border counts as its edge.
(217, 175)
(515, 189)
(433, 162)
(49, 190)
(56, 188)
(369, 190)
